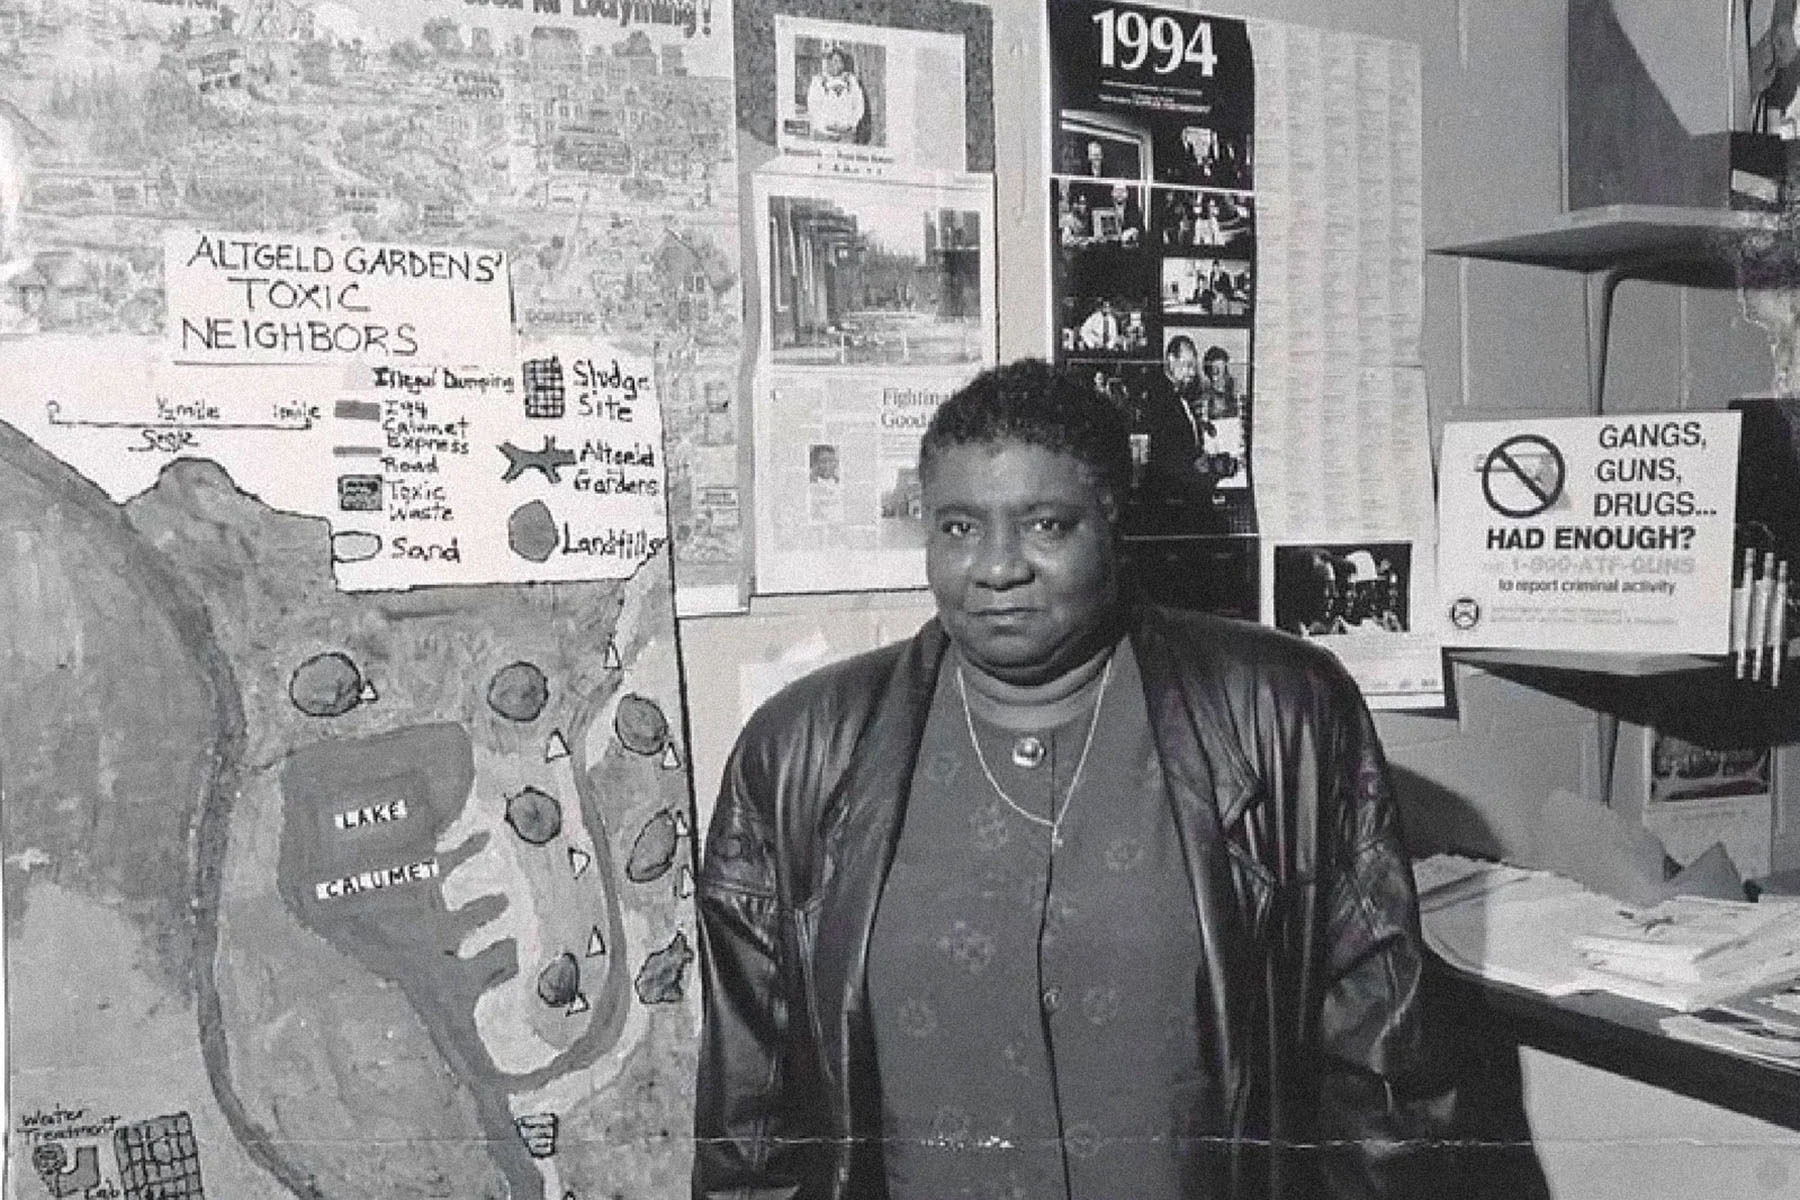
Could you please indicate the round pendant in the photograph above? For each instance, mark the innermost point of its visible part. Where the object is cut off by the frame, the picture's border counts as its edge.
(1028, 751)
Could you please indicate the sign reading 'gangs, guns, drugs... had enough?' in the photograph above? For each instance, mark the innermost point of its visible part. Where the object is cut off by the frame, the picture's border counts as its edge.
(1589, 533)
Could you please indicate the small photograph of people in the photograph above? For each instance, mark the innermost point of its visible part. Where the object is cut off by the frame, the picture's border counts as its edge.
(1102, 325)
(1099, 215)
(1213, 367)
(822, 463)
(1345, 588)
(1184, 219)
(1201, 156)
(1206, 287)
(1221, 381)
(839, 92)
(1092, 152)
(1189, 422)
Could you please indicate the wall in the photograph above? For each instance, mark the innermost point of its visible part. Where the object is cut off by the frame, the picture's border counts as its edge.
(1499, 339)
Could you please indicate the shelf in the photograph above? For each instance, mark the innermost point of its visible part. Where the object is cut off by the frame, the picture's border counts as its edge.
(1693, 696)
(1695, 247)
(1673, 239)
(1630, 666)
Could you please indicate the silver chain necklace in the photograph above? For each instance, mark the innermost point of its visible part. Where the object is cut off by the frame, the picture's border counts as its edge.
(1054, 822)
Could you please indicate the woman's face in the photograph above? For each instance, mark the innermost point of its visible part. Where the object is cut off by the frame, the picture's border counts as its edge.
(1021, 557)
(834, 63)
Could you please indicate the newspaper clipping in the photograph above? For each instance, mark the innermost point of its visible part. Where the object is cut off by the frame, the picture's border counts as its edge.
(875, 262)
(848, 445)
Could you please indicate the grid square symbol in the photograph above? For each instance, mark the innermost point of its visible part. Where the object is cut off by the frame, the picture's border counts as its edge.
(544, 395)
(159, 1159)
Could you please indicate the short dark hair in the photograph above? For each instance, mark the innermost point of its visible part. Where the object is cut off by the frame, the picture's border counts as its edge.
(1214, 354)
(1036, 404)
(1179, 344)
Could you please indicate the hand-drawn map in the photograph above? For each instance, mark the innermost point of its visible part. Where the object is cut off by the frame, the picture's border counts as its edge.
(347, 832)
(591, 141)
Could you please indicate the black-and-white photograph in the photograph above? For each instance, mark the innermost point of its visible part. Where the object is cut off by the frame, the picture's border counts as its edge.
(901, 508)
(1684, 770)
(1325, 590)
(1203, 156)
(1102, 146)
(1093, 214)
(1190, 433)
(822, 464)
(1101, 240)
(1184, 219)
(868, 100)
(1206, 287)
(1216, 365)
(1114, 145)
(1104, 325)
(861, 274)
(839, 91)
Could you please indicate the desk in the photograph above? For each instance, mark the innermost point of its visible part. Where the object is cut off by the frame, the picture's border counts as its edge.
(1621, 1036)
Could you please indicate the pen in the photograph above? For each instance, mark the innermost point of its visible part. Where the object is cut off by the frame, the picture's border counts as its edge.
(1740, 611)
(1759, 609)
(1778, 625)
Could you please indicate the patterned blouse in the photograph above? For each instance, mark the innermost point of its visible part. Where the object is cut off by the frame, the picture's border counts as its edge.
(1034, 1009)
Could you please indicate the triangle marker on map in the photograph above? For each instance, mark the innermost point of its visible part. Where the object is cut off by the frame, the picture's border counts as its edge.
(612, 660)
(369, 695)
(684, 883)
(557, 747)
(578, 1005)
(579, 861)
(596, 943)
(671, 757)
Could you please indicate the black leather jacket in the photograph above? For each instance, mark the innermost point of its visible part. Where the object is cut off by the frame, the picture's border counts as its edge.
(1311, 985)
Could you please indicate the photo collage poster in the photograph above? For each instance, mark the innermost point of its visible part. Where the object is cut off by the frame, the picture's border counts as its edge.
(874, 255)
(1153, 276)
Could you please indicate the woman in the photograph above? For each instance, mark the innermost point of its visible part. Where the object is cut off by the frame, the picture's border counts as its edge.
(1066, 896)
(835, 104)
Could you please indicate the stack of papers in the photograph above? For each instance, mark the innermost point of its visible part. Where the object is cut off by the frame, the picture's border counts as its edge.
(1538, 930)
(1689, 952)
(1763, 1023)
